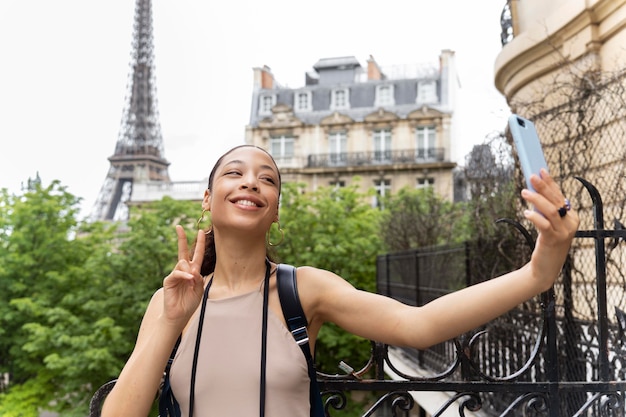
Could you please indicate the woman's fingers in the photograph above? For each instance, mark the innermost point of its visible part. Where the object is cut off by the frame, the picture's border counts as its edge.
(183, 249)
(198, 254)
(190, 267)
(551, 203)
(183, 287)
(546, 186)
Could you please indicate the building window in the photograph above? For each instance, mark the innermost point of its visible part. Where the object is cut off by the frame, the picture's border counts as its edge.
(425, 182)
(384, 96)
(337, 184)
(340, 99)
(266, 103)
(281, 147)
(427, 91)
(302, 101)
(426, 136)
(382, 145)
(383, 189)
(337, 142)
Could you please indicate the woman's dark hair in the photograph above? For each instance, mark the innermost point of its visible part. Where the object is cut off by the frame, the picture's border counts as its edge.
(210, 256)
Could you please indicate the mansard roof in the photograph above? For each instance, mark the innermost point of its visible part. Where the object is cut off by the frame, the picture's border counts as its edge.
(345, 73)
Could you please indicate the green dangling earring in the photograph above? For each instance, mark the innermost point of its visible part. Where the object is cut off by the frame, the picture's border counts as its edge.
(201, 219)
(282, 236)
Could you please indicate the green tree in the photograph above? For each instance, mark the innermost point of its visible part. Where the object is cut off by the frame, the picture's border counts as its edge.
(73, 294)
(333, 229)
(416, 218)
(45, 286)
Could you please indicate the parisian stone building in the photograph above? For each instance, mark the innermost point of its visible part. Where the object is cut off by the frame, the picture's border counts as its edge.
(383, 128)
(562, 64)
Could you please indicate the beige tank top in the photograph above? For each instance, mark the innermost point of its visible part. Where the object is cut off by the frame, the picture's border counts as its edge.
(229, 363)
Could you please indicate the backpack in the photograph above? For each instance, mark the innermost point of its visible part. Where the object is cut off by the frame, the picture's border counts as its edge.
(296, 322)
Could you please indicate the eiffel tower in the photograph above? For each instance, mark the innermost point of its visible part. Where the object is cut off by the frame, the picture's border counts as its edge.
(138, 153)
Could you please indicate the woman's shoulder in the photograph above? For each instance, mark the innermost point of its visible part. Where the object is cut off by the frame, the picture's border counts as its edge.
(316, 276)
(321, 293)
(320, 275)
(318, 284)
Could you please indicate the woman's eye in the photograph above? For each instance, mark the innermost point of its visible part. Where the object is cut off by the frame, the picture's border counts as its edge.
(270, 180)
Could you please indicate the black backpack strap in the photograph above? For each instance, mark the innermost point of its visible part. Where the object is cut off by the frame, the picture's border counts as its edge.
(168, 406)
(292, 310)
(297, 324)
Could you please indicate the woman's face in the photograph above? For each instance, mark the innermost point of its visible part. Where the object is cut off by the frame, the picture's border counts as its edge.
(245, 190)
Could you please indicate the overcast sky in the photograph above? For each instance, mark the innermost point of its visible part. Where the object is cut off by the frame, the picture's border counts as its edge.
(64, 67)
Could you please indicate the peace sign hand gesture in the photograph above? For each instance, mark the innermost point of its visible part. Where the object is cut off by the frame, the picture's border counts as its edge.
(183, 287)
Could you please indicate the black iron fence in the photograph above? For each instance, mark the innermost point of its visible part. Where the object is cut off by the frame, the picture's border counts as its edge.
(542, 359)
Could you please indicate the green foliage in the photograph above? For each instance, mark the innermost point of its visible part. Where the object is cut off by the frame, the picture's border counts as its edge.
(72, 294)
(24, 400)
(43, 288)
(333, 229)
(417, 218)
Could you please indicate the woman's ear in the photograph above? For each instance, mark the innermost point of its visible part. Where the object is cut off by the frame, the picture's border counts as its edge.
(206, 200)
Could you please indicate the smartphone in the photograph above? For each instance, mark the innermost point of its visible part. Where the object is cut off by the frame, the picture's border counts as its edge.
(528, 147)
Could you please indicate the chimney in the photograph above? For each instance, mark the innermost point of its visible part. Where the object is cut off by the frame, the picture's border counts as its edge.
(263, 78)
(373, 70)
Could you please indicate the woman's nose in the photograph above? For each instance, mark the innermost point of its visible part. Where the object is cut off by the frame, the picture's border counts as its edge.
(249, 182)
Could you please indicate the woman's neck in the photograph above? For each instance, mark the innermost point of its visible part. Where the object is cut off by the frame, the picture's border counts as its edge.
(237, 269)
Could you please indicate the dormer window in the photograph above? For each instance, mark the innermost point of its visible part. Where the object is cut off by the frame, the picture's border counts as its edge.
(266, 102)
(427, 91)
(302, 101)
(340, 99)
(384, 96)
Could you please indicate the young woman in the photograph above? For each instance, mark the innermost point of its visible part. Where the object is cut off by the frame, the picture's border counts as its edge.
(229, 267)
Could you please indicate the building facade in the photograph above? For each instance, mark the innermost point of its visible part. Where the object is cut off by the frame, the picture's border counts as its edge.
(383, 129)
(538, 37)
(562, 64)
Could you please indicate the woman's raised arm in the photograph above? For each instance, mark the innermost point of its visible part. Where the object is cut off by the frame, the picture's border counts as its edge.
(383, 319)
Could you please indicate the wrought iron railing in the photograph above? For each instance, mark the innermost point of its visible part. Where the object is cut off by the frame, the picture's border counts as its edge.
(528, 363)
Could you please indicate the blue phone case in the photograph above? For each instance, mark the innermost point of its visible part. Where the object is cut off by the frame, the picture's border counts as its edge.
(528, 147)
